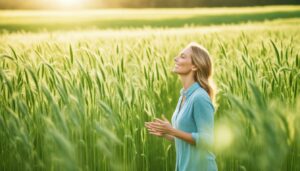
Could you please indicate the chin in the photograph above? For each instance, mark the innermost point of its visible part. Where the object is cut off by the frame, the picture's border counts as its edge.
(174, 71)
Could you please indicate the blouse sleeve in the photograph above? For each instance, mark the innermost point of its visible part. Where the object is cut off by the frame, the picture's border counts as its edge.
(203, 115)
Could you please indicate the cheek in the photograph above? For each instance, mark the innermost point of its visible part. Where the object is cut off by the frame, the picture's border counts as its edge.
(184, 67)
(185, 63)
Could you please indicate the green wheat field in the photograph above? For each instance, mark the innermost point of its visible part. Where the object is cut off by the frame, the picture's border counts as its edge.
(76, 89)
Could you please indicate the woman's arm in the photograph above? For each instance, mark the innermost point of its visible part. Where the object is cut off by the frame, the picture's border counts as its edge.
(163, 127)
(182, 135)
(153, 131)
(203, 114)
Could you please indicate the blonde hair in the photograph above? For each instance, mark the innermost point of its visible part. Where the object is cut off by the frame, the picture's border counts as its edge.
(203, 75)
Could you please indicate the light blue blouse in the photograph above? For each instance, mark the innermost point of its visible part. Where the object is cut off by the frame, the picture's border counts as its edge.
(196, 116)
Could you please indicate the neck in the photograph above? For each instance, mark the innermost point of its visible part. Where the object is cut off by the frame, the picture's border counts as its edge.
(186, 81)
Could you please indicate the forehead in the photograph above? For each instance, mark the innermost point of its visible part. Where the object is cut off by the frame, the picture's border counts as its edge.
(186, 51)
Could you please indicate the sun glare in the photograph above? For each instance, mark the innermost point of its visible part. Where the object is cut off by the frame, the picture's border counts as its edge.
(70, 3)
(224, 137)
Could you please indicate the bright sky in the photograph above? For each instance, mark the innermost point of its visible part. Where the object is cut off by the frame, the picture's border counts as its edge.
(69, 3)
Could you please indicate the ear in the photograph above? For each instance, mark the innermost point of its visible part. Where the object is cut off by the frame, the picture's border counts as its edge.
(194, 68)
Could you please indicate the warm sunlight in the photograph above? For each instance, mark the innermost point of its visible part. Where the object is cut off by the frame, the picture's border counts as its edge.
(224, 137)
(70, 3)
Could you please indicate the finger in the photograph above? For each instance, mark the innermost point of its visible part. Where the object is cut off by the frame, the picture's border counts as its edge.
(155, 133)
(152, 129)
(158, 129)
(155, 121)
(149, 124)
(156, 124)
(158, 120)
(149, 127)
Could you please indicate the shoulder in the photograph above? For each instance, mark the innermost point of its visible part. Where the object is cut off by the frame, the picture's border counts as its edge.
(201, 98)
(201, 95)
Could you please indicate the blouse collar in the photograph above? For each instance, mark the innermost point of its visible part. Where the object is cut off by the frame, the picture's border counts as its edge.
(189, 90)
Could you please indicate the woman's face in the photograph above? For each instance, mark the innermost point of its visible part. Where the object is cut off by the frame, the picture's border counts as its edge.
(183, 62)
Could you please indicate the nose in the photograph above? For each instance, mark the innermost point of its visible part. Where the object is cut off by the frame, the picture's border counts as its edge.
(175, 58)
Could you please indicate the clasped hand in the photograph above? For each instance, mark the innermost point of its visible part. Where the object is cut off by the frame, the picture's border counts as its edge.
(159, 127)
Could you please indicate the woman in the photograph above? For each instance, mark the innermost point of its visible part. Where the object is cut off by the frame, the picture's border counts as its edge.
(193, 119)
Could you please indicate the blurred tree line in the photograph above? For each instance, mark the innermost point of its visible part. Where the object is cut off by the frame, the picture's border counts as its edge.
(197, 3)
(37, 4)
